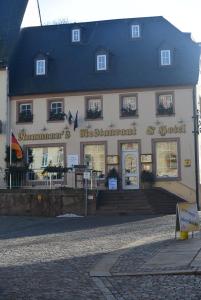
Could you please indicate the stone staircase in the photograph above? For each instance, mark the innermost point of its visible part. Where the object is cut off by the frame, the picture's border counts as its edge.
(141, 202)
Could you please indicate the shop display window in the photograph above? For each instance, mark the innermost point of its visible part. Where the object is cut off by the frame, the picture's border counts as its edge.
(43, 157)
(167, 159)
(94, 157)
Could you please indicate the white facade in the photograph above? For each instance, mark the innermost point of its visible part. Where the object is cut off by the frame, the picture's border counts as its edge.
(144, 130)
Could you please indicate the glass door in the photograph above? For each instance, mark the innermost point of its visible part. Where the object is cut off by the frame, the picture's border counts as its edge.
(130, 169)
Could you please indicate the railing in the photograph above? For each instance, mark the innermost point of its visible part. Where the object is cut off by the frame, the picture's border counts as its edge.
(36, 178)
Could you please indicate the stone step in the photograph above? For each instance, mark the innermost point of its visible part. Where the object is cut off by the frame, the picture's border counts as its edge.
(151, 201)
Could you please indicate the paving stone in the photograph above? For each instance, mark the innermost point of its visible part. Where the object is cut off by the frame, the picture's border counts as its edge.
(50, 258)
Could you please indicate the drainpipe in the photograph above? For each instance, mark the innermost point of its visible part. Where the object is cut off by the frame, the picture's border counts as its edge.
(196, 132)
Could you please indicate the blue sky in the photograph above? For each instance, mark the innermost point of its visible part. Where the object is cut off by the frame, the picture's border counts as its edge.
(184, 14)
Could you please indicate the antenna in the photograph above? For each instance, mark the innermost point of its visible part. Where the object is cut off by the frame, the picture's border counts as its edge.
(39, 13)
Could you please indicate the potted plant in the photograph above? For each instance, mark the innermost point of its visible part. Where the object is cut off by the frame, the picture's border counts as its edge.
(17, 168)
(147, 179)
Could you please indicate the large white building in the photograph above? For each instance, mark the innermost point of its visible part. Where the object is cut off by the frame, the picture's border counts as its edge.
(132, 86)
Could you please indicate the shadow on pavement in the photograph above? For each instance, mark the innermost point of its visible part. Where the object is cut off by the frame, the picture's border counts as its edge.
(13, 227)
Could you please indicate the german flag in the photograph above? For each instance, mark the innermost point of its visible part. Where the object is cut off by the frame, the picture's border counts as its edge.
(16, 147)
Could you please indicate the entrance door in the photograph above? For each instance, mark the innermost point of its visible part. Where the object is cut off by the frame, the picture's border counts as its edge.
(130, 169)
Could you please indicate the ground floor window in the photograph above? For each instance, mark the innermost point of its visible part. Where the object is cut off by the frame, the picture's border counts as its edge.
(43, 157)
(94, 156)
(167, 161)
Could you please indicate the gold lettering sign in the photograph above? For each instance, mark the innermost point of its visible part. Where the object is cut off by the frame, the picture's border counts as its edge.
(23, 136)
(164, 130)
(85, 133)
(187, 162)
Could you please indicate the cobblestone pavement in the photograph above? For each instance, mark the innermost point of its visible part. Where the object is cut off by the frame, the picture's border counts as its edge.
(50, 258)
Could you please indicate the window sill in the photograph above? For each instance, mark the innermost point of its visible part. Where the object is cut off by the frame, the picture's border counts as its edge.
(165, 115)
(159, 179)
(94, 119)
(53, 121)
(129, 117)
(24, 122)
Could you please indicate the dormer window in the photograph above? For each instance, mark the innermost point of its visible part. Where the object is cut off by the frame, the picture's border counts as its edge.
(40, 67)
(101, 62)
(165, 58)
(135, 31)
(76, 35)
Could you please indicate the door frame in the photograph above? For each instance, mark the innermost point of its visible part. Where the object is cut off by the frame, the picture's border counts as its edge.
(120, 142)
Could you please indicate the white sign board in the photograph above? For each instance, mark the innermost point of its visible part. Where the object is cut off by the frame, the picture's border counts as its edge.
(72, 160)
(87, 175)
(188, 217)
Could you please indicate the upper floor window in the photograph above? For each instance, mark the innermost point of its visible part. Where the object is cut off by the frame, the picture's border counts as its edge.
(101, 62)
(94, 108)
(165, 104)
(40, 66)
(25, 112)
(135, 31)
(128, 105)
(165, 58)
(75, 35)
(56, 110)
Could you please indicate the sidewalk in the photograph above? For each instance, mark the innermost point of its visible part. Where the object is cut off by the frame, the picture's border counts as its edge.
(168, 257)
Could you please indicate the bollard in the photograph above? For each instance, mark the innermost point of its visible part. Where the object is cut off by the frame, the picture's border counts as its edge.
(183, 235)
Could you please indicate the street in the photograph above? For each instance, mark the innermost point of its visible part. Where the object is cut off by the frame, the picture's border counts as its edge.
(53, 258)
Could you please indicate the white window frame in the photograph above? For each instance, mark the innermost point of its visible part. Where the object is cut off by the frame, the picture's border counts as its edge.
(175, 165)
(135, 31)
(165, 57)
(27, 107)
(40, 67)
(101, 62)
(75, 35)
(58, 109)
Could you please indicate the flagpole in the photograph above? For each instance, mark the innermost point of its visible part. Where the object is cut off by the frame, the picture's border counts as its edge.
(10, 160)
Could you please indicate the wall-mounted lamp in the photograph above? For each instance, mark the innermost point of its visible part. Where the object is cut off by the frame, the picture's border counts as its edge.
(111, 125)
(181, 121)
(133, 124)
(88, 126)
(22, 130)
(157, 122)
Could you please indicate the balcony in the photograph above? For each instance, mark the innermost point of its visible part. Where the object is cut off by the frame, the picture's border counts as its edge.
(25, 117)
(56, 116)
(94, 114)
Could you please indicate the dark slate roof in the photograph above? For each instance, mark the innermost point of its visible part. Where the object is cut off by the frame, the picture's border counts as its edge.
(11, 14)
(132, 63)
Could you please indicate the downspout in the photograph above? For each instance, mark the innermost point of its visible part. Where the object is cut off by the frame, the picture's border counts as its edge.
(196, 132)
(7, 109)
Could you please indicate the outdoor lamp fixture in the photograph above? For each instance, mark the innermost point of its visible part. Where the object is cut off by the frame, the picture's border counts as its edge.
(111, 125)
(133, 124)
(157, 122)
(44, 128)
(181, 121)
(88, 126)
(22, 130)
